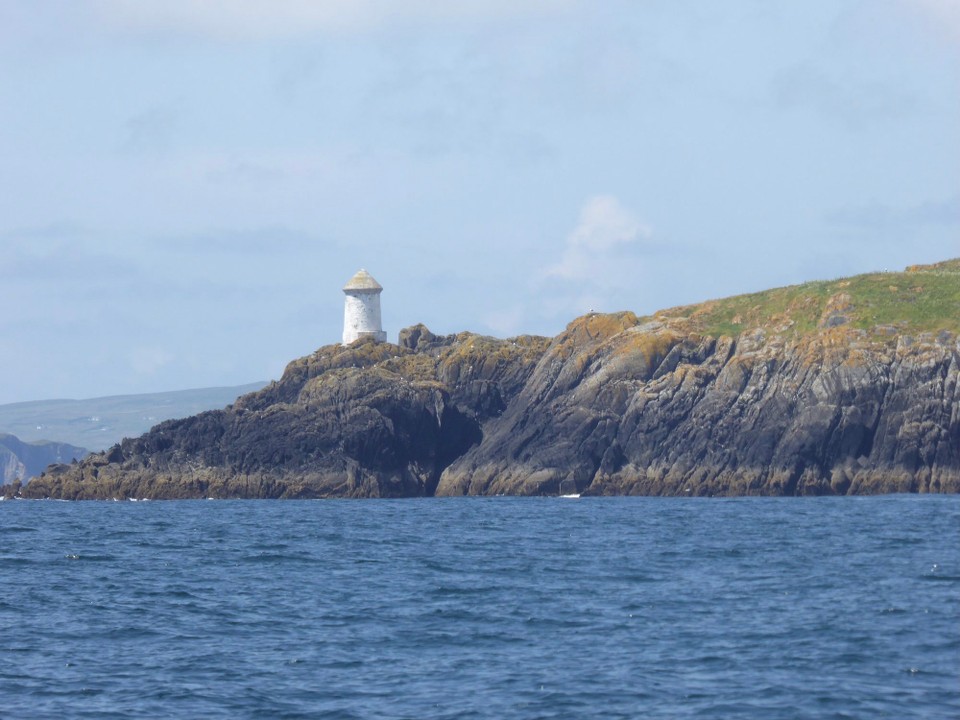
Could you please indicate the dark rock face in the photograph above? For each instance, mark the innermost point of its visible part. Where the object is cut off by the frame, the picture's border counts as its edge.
(617, 407)
(613, 405)
(367, 420)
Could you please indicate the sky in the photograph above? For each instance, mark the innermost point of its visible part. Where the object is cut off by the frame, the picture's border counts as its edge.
(186, 186)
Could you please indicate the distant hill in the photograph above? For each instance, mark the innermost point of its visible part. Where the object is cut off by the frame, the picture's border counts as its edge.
(841, 387)
(22, 461)
(98, 423)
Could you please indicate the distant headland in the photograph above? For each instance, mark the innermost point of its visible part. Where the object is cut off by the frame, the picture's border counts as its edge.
(846, 386)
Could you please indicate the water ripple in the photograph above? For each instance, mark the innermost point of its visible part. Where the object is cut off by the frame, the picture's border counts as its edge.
(481, 608)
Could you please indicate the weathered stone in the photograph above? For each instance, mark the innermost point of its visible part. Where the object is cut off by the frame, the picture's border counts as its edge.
(802, 401)
(367, 420)
(679, 416)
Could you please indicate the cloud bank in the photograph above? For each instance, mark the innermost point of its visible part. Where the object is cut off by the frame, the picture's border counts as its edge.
(944, 13)
(259, 19)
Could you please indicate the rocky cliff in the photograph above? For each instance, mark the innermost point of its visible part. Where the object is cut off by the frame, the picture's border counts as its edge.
(366, 420)
(22, 460)
(840, 387)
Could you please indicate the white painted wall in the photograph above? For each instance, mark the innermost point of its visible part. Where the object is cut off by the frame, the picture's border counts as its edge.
(361, 316)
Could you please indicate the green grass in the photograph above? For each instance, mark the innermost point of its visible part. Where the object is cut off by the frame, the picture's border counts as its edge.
(921, 299)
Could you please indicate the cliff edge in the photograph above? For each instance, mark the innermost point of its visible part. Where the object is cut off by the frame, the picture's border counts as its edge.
(369, 419)
(836, 387)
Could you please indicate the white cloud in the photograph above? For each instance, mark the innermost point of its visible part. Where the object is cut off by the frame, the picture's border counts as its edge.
(945, 14)
(593, 249)
(285, 18)
(601, 266)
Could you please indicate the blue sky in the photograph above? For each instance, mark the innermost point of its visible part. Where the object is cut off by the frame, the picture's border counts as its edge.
(185, 186)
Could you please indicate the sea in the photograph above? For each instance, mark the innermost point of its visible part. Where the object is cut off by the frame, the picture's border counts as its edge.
(482, 608)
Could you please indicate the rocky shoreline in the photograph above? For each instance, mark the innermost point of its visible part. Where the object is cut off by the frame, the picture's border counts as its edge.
(614, 405)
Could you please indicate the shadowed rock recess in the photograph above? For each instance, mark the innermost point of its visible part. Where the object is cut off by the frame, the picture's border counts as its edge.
(838, 387)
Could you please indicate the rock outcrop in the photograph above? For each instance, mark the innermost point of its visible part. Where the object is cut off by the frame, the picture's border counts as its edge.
(845, 387)
(22, 460)
(366, 420)
(617, 406)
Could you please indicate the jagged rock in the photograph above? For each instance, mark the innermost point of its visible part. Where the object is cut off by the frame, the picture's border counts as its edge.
(646, 411)
(412, 337)
(366, 420)
(832, 388)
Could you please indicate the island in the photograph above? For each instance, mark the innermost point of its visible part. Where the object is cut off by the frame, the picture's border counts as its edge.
(837, 387)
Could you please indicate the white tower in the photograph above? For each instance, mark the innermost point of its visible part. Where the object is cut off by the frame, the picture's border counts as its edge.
(361, 309)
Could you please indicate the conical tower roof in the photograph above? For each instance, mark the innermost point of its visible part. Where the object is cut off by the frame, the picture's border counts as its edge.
(363, 281)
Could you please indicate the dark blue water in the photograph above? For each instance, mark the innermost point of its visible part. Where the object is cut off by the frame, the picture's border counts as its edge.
(482, 608)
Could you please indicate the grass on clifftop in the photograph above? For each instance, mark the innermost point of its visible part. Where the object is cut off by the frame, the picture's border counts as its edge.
(924, 298)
